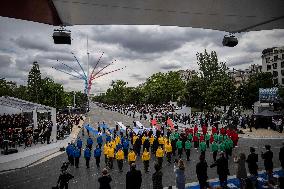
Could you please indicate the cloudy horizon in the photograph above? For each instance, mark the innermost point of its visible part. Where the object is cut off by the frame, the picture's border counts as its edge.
(144, 50)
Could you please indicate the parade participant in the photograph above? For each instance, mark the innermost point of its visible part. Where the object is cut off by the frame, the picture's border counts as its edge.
(77, 156)
(207, 139)
(155, 145)
(87, 156)
(195, 129)
(216, 137)
(214, 149)
(202, 147)
(106, 146)
(63, 179)
(161, 141)
(146, 144)
(125, 146)
(160, 155)
(211, 139)
(268, 163)
(190, 136)
(151, 140)
(195, 141)
(100, 141)
(70, 153)
(110, 155)
(157, 177)
(143, 139)
(108, 138)
(120, 158)
(222, 131)
(187, 149)
(179, 147)
(105, 180)
(134, 138)
(201, 172)
(90, 143)
(79, 144)
(97, 154)
(214, 130)
(131, 157)
(133, 178)
(168, 149)
(222, 169)
(281, 156)
(117, 140)
(146, 159)
(204, 130)
(137, 146)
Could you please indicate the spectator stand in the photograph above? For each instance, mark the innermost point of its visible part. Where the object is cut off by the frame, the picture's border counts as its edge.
(12, 104)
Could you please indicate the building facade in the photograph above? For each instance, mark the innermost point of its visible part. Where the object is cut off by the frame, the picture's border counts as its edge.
(273, 62)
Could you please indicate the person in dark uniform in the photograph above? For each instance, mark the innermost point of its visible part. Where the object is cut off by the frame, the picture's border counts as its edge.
(63, 179)
(268, 163)
(281, 156)
(222, 169)
(133, 178)
(252, 160)
(105, 180)
(201, 172)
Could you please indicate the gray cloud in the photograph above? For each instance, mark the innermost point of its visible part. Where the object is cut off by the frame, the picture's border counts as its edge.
(5, 61)
(138, 77)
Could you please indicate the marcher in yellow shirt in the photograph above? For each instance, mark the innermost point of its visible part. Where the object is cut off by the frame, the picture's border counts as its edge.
(110, 155)
(161, 141)
(106, 146)
(160, 155)
(131, 157)
(120, 158)
(134, 138)
(151, 140)
(169, 149)
(146, 159)
(117, 140)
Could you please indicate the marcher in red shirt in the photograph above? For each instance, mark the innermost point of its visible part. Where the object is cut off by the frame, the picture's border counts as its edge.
(195, 141)
(201, 138)
(195, 129)
(211, 139)
(214, 130)
(204, 130)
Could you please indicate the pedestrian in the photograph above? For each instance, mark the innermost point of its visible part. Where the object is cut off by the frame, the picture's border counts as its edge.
(133, 178)
(214, 149)
(146, 159)
(87, 156)
(131, 157)
(105, 180)
(252, 160)
(77, 156)
(120, 158)
(201, 172)
(187, 149)
(160, 155)
(179, 171)
(168, 149)
(63, 179)
(241, 169)
(222, 169)
(281, 155)
(157, 177)
(97, 155)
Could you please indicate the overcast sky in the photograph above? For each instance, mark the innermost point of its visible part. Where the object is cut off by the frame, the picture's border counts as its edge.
(144, 50)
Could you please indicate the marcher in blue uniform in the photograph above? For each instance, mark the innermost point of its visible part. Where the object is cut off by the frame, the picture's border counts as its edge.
(87, 156)
(100, 141)
(108, 138)
(97, 155)
(79, 144)
(77, 156)
(69, 151)
(90, 143)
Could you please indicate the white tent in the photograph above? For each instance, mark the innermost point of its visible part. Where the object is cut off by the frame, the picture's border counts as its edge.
(17, 105)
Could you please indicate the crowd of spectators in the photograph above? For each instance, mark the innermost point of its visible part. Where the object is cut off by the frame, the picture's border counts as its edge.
(18, 130)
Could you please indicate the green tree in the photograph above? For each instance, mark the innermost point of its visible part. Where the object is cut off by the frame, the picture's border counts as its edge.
(34, 84)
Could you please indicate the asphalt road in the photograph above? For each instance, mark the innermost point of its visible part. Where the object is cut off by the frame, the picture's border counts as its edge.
(44, 175)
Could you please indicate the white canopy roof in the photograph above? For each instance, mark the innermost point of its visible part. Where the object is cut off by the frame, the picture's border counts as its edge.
(25, 106)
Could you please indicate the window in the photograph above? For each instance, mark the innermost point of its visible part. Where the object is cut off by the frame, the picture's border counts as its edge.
(275, 81)
(282, 64)
(268, 67)
(274, 66)
(282, 80)
(282, 56)
(282, 72)
(267, 60)
(275, 73)
(276, 58)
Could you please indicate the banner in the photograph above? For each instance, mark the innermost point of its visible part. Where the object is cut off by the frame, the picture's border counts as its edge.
(268, 95)
(170, 124)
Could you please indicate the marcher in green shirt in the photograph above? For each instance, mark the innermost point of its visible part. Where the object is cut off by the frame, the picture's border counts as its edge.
(221, 138)
(190, 137)
(214, 149)
(216, 137)
(202, 147)
(222, 147)
(176, 135)
(179, 147)
(187, 149)
(207, 138)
